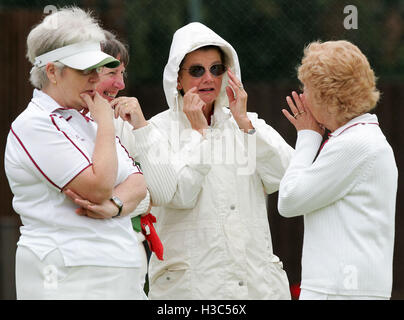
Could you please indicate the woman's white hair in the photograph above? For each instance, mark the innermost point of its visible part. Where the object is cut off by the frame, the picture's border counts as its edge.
(66, 26)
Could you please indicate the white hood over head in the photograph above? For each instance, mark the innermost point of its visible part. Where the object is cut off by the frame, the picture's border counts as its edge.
(187, 39)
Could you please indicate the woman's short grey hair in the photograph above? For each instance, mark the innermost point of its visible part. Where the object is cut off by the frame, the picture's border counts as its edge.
(66, 26)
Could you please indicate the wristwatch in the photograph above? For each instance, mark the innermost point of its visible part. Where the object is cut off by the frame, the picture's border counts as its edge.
(119, 204)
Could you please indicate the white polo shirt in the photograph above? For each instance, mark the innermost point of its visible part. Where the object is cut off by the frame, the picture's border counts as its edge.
(47, 147)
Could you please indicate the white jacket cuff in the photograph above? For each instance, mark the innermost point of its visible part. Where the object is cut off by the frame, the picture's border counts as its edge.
(145, 137)
(142, 207)
(151, 149)
(307, 144)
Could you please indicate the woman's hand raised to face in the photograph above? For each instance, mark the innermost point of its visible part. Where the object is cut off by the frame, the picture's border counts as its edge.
(98, 107)
(128, 108)
(193, 106)
(301, 116)
(238, 102)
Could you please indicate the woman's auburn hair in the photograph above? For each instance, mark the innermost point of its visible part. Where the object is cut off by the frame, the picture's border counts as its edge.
(340, 78)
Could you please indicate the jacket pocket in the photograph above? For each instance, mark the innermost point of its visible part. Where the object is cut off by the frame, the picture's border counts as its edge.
(172, 282)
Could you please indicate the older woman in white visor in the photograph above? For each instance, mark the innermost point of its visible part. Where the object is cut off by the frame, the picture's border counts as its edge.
(72, 249)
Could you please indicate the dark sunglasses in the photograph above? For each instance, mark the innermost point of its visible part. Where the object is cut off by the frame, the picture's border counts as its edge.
(198, 71)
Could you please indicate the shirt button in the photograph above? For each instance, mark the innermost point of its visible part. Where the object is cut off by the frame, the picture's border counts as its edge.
(232, 207)
(241, 283)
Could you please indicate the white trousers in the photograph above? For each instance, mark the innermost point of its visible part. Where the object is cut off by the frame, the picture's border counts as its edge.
(49, 279)
(315, 295)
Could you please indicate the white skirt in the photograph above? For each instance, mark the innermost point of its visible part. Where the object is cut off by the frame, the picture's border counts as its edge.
(50, 279)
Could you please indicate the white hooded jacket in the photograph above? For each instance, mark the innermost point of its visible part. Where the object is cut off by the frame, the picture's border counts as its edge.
(215, 232)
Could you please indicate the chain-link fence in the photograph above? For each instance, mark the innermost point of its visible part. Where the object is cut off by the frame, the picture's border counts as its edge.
(268, 35)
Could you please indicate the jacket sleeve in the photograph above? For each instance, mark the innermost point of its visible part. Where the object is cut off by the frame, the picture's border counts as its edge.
(309, 186)
(273, 154)
(191, 169)
(142, 207)
(174, 176)
(143, 145)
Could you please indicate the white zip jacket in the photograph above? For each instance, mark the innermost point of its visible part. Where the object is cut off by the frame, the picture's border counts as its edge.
(215, 232)
(347, 197)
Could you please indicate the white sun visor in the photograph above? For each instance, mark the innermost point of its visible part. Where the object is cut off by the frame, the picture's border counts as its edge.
(80, 56)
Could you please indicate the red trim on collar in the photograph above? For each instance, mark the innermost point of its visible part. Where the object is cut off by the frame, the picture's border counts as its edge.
(353, 125)
(83, 113)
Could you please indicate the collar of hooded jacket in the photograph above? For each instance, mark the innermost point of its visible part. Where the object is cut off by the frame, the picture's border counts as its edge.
(187, 39)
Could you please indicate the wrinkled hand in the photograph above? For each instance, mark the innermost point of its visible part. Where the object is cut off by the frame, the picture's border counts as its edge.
(129, 110)
(97, 106)
(238, 102)
(301, 116)
(104, 210)
(192, 108)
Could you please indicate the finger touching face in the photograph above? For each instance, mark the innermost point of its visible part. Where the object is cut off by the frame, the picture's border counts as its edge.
(71, 84)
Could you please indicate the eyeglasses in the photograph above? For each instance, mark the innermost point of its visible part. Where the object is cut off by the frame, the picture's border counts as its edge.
(86, 72)
(197, 71)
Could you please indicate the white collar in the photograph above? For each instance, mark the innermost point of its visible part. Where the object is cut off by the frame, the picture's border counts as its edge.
(366, 118)
(44, 101)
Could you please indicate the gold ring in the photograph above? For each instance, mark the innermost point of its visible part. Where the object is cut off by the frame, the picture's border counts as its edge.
(301, 112)
(241, 87)
(295, 115)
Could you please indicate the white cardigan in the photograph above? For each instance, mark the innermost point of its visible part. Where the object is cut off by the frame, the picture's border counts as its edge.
(347, 197)
(215, 231)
